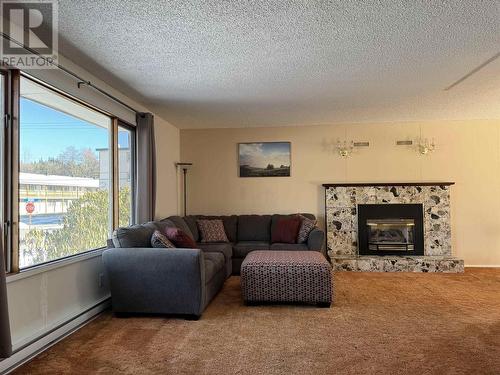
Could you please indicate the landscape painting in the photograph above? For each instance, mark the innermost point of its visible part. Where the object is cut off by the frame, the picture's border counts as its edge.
(266, 159)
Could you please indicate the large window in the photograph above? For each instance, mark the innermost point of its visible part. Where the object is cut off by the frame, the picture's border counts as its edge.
(65, 180)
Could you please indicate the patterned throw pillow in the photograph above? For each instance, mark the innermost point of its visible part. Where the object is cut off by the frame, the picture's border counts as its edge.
(158, 239)
(306, 226)
(212, 231)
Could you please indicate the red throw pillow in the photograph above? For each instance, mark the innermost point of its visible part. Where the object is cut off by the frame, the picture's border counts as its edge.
(180, 238)
(286, 230)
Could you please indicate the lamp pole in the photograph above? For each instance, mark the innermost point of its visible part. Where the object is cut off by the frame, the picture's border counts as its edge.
(184, 167)
(185, 190)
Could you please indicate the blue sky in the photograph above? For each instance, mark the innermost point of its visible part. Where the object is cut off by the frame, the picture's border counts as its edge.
(45, 132)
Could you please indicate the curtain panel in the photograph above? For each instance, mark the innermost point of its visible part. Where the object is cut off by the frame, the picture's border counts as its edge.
(5, 339)
(146, 171)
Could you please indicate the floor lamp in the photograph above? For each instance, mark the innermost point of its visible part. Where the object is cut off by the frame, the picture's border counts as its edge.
(184, 167)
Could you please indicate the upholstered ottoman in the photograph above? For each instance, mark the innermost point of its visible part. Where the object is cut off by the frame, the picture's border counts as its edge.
(287, 276)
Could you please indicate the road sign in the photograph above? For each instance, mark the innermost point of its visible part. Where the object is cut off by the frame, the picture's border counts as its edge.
(30, 207)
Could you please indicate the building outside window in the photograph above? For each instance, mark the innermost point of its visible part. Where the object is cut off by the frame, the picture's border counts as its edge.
(126, 160)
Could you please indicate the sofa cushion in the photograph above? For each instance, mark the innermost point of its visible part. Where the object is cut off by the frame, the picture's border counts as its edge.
(230, 225)
(181, 224)
(289, 246)
(134, 236)
(162, 225)
(214, 262)
(242, 248)
(254, 228)
(211, 230)
(190, 221)
(286, 230)
(224, 248)
(306, 226)
(180, 238)
(158, 239)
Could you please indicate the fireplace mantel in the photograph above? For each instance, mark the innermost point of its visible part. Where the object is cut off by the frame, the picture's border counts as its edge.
(358, 184)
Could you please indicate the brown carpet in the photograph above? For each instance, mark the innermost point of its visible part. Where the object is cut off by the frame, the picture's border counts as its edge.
(381, 323)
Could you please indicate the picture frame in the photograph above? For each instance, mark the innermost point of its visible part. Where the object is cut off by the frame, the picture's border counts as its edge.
(265, 159)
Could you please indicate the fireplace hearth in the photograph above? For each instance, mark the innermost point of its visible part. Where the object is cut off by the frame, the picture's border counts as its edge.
(390, 229)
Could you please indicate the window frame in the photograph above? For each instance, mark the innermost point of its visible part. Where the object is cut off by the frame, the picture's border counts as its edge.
(133, 167)
(11, 173)
(4, 160)
(10, 230)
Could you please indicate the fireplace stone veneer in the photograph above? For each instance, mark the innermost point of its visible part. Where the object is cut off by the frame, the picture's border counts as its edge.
(342, 200)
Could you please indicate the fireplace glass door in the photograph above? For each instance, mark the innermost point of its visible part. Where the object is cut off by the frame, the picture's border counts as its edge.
(391, 234)
(390, 229)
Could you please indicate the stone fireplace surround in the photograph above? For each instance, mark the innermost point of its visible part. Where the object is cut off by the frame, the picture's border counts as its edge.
(341, 201)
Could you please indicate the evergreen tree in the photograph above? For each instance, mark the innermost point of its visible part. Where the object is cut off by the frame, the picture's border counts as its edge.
(85, 227)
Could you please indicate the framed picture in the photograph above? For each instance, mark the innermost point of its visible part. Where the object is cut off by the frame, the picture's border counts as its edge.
(264, 159)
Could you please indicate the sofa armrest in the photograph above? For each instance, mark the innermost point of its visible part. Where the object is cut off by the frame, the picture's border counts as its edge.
(149, 280)
(316, 240)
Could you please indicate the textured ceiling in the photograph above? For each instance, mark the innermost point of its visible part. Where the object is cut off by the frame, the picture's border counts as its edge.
(205, 64)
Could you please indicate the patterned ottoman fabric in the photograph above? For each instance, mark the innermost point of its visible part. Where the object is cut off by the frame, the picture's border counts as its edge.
(287, 276)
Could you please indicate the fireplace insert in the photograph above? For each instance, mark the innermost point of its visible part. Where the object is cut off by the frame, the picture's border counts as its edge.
(390, 229)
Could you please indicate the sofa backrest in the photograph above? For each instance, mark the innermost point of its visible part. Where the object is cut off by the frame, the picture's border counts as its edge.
(181, 224)
(254, 227)
(139, 235)
(238, 228)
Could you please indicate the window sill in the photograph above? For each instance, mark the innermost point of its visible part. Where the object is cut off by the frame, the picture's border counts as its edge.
(23, 274)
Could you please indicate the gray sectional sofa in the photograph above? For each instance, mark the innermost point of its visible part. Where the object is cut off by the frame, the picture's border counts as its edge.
(247, 233)
(183, 281)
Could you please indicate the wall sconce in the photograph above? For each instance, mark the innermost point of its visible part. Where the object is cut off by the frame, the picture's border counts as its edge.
(425, 146)
(345, 148)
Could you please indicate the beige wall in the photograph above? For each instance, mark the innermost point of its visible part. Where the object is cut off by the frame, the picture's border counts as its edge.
(467, 153)
(167, 139)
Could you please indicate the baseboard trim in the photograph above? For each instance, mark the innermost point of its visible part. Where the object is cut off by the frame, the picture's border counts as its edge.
(31, 350)
(482, 266)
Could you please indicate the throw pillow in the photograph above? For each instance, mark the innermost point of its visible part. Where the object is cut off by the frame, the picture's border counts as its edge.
(306, 226)
(286, 230)
(180, 238)
(212, 231)
(158, 239)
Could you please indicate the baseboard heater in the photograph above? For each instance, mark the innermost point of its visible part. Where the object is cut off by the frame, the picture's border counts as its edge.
(29, 351)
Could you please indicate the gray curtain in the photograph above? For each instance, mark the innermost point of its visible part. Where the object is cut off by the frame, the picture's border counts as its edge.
(146, 173)
(5, 341)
